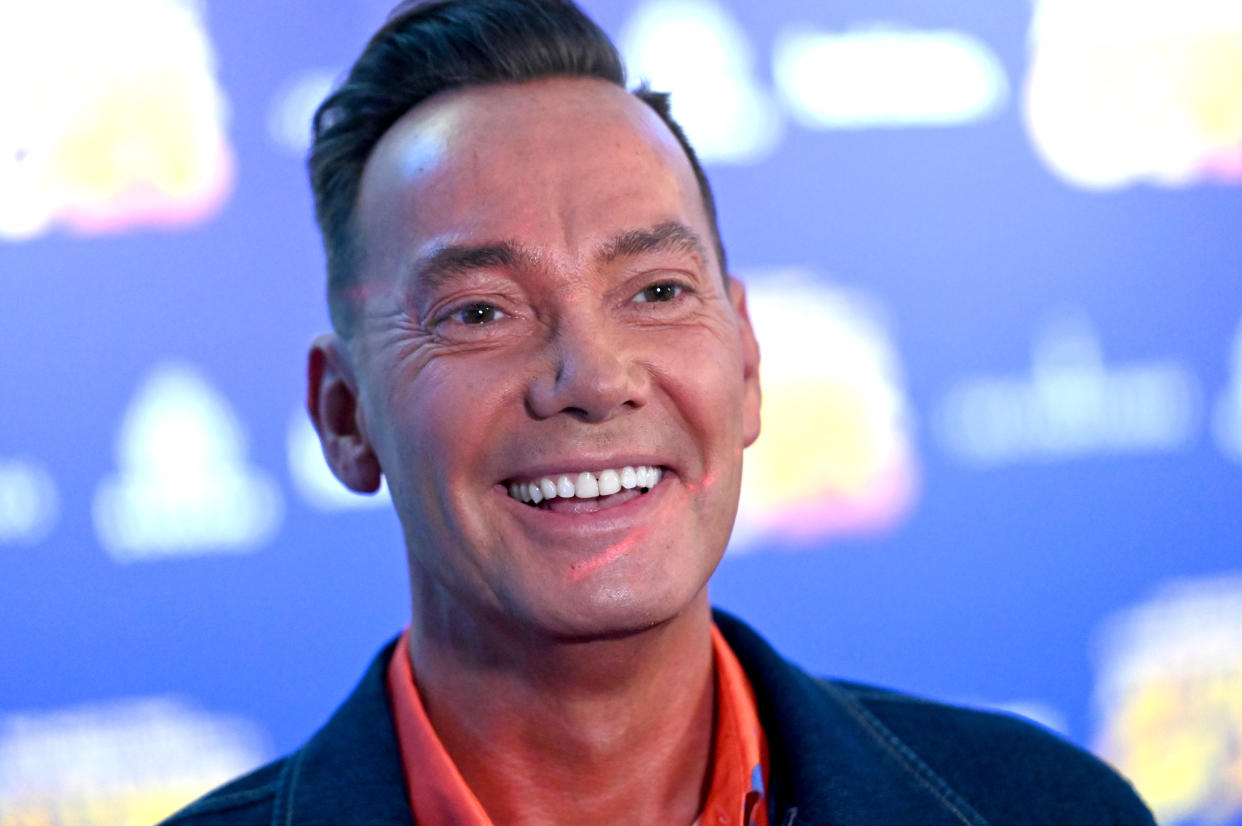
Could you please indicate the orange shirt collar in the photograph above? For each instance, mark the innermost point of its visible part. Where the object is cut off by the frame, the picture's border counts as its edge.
(740, 758)
(439, 795)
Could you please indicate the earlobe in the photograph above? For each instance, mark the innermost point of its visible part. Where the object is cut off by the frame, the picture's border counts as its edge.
(753, 396)
(332, 402)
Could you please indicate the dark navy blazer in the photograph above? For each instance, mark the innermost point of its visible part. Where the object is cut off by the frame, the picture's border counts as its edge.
(840, 753)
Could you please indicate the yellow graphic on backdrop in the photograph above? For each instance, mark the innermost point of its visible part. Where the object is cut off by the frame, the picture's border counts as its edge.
(113, 117)
(125, 762)
(1170, 700)
(1121, 92)
(834, 456)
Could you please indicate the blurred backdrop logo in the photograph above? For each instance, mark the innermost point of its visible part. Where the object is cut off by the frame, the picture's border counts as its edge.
(834, 455)
(1121, 92)
(127, 762)
(1169, 699)
(184, 486)
(897, 77)
(29, 502)
(1072, 405)
(113, 117)
(292, 106)
(699, 51)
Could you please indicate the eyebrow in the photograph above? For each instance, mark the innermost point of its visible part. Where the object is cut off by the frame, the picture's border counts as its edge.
(448, 262)
(669, 236)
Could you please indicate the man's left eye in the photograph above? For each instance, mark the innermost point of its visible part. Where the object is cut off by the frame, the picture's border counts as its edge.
(664, 291)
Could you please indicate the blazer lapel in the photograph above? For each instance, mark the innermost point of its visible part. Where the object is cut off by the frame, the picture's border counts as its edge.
(350, 772)
(832, 761)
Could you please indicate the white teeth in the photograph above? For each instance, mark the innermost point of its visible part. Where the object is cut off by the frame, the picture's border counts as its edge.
(586, 485)
(609, 482)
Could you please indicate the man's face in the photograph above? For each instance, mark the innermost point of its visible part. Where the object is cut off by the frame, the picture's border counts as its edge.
(540, 299)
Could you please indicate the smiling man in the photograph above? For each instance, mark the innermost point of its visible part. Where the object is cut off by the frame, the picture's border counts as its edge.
(537, 344)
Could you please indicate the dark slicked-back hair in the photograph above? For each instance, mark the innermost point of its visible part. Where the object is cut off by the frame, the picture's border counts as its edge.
(430, 47)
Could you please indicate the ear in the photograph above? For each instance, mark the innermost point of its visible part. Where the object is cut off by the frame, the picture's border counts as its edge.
(332, 401)
(750, 363)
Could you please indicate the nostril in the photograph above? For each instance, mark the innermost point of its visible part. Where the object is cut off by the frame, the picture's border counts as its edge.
(588, 376)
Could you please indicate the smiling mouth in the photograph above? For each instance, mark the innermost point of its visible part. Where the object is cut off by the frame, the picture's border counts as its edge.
(586, 491)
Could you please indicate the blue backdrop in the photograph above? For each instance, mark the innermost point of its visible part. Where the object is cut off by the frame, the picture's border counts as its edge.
(992, 252)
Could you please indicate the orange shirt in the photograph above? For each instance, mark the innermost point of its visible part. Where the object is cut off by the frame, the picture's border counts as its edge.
(440, 797)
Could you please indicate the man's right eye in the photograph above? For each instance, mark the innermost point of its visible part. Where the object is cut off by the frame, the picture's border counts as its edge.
(476, 314)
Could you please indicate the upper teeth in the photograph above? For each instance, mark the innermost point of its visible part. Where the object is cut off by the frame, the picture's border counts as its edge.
(585, 485)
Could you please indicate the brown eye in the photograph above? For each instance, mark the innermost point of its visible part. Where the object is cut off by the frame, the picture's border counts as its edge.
(664, 291)
(478, 313)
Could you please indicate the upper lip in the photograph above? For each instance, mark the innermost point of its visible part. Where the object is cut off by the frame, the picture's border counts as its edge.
(578, 464)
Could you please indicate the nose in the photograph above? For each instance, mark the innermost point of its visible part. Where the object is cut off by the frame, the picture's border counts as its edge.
(593, 376)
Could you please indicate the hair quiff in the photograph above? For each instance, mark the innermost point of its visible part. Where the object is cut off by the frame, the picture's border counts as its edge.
(429, 47)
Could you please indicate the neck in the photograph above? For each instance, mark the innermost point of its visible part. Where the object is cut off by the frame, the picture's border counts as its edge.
(546, 730)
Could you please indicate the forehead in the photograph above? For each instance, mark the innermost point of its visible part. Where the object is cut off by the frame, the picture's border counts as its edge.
(558, 164)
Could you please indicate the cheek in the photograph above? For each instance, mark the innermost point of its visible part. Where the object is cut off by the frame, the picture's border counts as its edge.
(442, 424)
(451, 412)
(707, 398)
(710, 388)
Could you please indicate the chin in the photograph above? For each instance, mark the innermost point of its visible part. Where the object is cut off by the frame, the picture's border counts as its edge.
(615, 613)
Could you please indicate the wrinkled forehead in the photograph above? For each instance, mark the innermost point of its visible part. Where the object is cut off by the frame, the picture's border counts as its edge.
(477, 156)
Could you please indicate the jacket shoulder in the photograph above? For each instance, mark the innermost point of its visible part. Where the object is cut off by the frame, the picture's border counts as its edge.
(249, 799)
(1002, 763)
